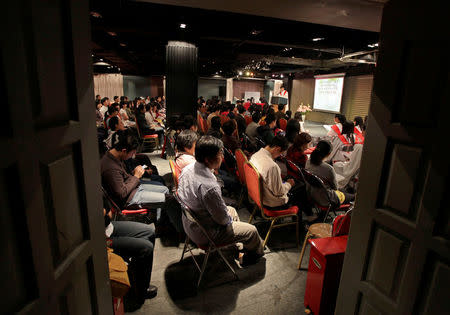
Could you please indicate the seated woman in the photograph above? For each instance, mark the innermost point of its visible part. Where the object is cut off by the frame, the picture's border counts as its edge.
(144, 126)
(185, 145)
(295, 153)
(215, 129)
(324, 171)
(336, 129)
(342, 144)
(199, 190)
(123, 114)
(345, 171)
(114, 124)
(359, 129)
(292, 130)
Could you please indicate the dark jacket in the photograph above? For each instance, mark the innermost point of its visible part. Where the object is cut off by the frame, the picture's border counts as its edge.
(266, 134)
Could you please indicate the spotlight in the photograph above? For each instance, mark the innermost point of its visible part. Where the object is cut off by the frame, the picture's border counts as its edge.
(122, 44)
(251, 74)
(317, 39)
(281, 76)
(240, 72)
(247, 73)
(112, 33)
(182, 25)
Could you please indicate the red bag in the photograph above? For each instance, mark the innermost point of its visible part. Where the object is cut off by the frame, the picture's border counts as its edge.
(341, 224)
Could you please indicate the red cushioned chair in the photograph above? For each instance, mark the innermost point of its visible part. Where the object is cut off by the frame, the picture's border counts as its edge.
(147, 139)
(241, 159)
(255, 191)
(207, 248)
(224, 119)
(140, 215)
(248, 119)
(283, 123)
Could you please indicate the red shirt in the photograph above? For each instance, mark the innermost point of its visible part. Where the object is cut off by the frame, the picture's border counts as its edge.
(296, 156)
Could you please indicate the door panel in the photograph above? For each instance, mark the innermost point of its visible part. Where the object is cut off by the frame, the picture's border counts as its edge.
(54, 251)
(398, 259)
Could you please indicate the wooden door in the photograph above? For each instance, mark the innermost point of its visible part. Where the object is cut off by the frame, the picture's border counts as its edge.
(53, 256)
(398, 255)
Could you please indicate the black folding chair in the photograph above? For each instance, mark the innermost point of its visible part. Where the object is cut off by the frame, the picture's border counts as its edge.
(208, 248)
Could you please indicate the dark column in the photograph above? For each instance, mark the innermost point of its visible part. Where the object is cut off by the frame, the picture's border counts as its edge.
(181, 78)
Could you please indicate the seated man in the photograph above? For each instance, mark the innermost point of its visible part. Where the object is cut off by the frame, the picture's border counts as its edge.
(266, 132)
(124, 188)
(185, 149)
(198, 189)
(136, 241)
(275, 191)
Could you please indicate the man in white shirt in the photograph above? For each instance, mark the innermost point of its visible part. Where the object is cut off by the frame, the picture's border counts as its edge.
(105, 104)
(275, 191)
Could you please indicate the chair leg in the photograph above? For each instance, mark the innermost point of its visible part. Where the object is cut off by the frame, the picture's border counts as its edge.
(228, 264)
(186, 242)
(268, 233)
(253, 214)
(203, 266)
(303, 250)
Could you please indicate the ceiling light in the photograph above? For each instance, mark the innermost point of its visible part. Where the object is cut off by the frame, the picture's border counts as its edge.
(112, 33)
(101, 63)
(182, 25)
(317, 39)
(92, 55)
(251, 74)
(101, 59)
(292, 57)
(281, 76)
(247, 73)
(217, 72)
(240, 72)
(273, 75)
(96, 14)
(256, 32)
(122, 44)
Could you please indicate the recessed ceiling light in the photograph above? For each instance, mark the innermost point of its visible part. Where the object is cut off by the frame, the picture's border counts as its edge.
(281, 76)
(96, 14)
(101, 59)
(317, 39)
(122, 44)
(112, 33)
(182, 25)
(247, 73)
(251, 74)
(292, 57)
(256, 32)
(240, 72)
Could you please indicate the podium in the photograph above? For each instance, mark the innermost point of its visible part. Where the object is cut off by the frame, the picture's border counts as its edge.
(278, 100)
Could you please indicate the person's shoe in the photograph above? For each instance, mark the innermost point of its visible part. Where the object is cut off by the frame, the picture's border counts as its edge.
(247, 259)
(152, 291)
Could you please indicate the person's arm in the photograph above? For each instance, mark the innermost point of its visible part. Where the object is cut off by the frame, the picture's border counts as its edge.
(215, 205)
(332, 178)
(120, 187)
(277, 187)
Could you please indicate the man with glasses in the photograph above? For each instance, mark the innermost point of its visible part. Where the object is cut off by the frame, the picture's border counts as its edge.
(279, 194)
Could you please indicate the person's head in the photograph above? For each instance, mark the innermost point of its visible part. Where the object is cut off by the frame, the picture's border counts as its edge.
(241, 109)
(278, 146)
(339, 118)
(229, 127)
(148, 107)
(256, 116)
(122, 99)
(322, 150)
(282, 88)
(98, 105)
(97, 97)
(112, 111)
(358, 121)
(348, 129)
(123, 104)
(292, 130)
(190, 123)
(116, 124)
(209, 151)
(116, 99)
(215, 123)
(158, 99)
(301, 141)
(186, 141)
(280, 107)
(271, 120)
(298, 116)
(105, 101)
(288, 114)
(125, 145)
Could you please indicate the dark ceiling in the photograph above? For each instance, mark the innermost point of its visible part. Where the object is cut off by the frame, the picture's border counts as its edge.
(131, 36)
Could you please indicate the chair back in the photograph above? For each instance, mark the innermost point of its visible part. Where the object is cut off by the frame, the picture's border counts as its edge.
(230, 161)
(175, 173)
(241, 159)
(341, 224)
(224, 119)
(253, 181)
(283, 123)
(293, 169)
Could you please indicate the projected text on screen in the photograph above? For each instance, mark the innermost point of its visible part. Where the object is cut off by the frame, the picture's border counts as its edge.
(328, 92)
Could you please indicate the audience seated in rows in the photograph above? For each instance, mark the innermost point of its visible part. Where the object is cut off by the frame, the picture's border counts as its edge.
(127, 190)
(198, 189)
